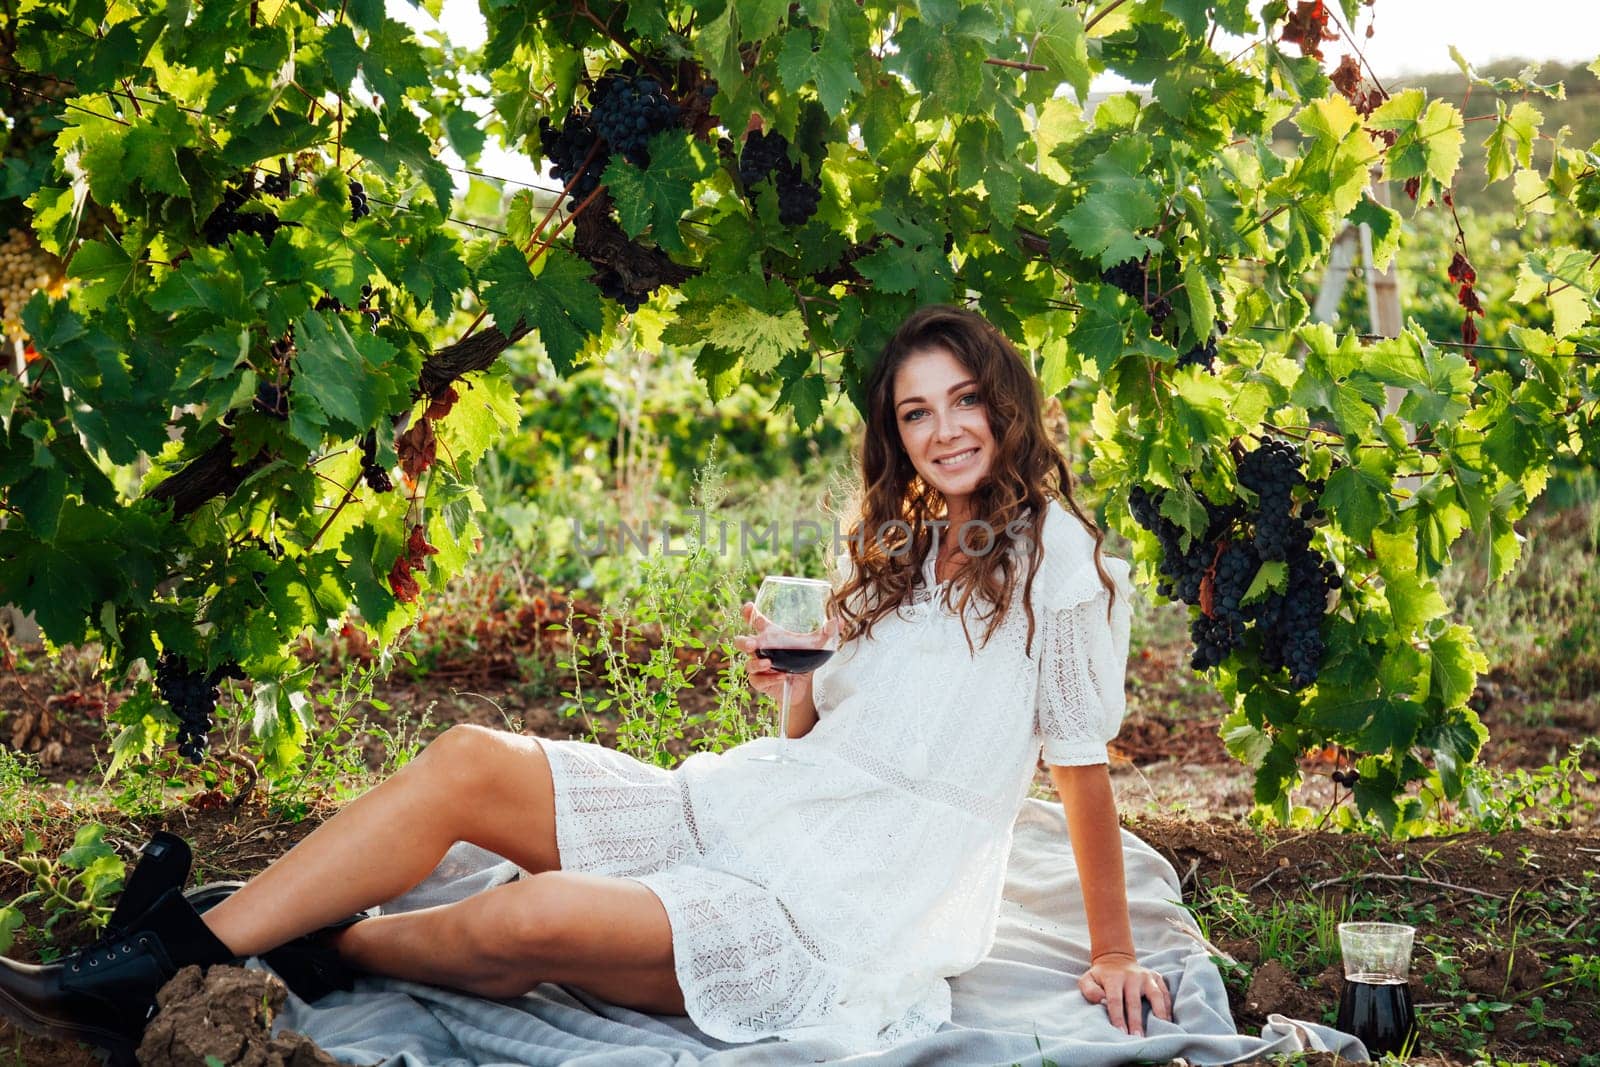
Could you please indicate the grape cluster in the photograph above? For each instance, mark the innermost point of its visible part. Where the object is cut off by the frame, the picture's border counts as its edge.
(1131, 277)
(627, 108)
(226, 219)
(1217, 569)
(373, 472)
(368, 307)
(566, 150)
(277, 185)
(767, 155)
(1127, 276)
(1201, 355)
(192, 695)
(272, 398)
(1291, 622)
(24, 268)
(1183, 571)
(611, 285)
(358, 202)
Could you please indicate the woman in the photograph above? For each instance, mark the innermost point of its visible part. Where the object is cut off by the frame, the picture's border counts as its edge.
(980, 624)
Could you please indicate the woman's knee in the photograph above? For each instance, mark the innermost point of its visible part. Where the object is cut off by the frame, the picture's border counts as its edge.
(462, 746)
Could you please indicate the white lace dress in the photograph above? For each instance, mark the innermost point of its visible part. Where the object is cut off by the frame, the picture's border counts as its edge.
(834, 900)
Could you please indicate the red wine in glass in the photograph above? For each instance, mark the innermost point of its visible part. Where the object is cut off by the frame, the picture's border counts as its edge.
(1377, 1009)
(795, 634)
(796, 660)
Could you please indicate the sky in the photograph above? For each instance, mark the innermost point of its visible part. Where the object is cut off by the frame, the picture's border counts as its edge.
(1411, 37)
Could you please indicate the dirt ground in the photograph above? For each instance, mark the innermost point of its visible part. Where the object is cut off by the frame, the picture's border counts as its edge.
(1177, 787)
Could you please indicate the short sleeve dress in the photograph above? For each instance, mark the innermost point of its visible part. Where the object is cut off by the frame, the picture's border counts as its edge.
(834, 900)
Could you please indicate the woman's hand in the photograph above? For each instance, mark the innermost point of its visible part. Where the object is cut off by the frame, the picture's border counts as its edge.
(1117, 980)
(763, 679)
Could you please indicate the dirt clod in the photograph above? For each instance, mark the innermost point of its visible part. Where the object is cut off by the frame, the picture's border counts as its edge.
(224, 1013)
(1495, 972)
(1274, 989)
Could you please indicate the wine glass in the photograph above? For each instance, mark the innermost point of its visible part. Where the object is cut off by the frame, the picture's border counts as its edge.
(797, 639)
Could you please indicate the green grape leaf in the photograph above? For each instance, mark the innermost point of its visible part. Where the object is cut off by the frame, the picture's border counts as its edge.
(104, 270)
(559, 302)
(656, 198)
(805, 395)
(1392, 727)
(1565, 278)
(1428, 137)
(1272, 577)
(392, 139)
(1097, 335)
(332, 373)
(1456, 663)
(1118, 204)
(1357, 500)
(1511, 143)
(1412, 601)
(829, 65)
(760, 336)
(1202, 306)
(1057, 39)
(1384, 223)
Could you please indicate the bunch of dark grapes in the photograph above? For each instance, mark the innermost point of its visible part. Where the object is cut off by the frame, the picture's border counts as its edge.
(192, 695)
(1183, 571)
(272, 398)
(567, 148)
(1271, 472)
(1130, 276)
(358, 202)
(277, 185)
(368, 307)
(611, 285)
(227, 219)
(1201, 355)
(767, 155)
(1217, 569)
(1127, 276)
(373, 472)
(1159, 310)
(627, 109)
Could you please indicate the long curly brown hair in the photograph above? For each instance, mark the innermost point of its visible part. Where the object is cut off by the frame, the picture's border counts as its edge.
(890, 532)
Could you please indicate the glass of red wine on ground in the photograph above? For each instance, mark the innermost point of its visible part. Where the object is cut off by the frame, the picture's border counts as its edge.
(797, 639)
(1375, 1004)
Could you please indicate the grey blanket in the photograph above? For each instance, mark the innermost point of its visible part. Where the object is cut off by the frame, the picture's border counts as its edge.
(1021, 1005)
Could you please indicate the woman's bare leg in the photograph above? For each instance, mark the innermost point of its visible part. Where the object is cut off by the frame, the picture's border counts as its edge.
(608, 936)
(490, 787)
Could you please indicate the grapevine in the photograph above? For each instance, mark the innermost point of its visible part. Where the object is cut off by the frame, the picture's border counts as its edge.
(255, 373)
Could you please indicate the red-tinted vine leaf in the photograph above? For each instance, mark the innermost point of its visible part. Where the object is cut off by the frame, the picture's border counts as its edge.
(417, 448)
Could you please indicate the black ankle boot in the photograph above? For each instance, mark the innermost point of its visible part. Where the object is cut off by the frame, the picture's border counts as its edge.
(164, 863)
(309, 965)
(103, 995)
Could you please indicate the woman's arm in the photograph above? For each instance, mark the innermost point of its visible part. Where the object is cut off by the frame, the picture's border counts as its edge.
(1114, 976)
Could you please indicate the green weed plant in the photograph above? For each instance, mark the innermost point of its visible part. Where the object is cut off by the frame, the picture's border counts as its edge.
(79, 884)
